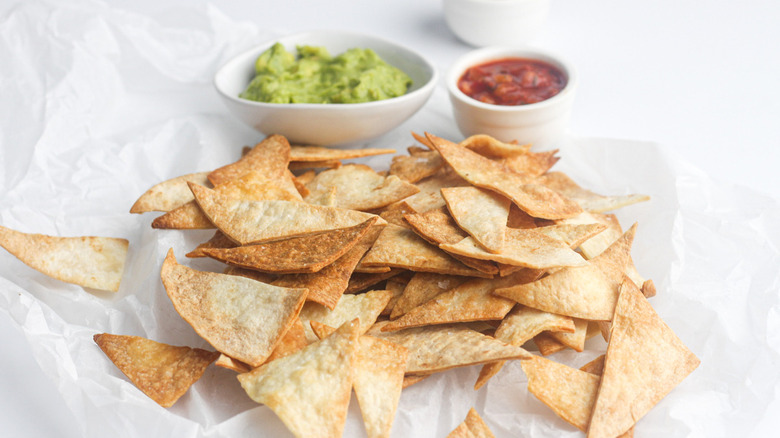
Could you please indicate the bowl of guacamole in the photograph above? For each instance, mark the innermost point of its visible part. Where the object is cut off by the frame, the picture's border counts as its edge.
(326, 87)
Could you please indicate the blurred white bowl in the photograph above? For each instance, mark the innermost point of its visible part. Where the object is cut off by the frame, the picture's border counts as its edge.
(496, 22)
(328, 124)
(542, 124)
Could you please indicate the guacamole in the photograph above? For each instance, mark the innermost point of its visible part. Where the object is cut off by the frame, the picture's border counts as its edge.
(314, 76)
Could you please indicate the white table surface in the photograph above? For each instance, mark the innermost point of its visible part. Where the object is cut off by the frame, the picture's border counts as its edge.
(701, 79)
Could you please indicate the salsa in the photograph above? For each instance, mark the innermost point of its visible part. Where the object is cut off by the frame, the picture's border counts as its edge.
(512, 81)
(314, 76)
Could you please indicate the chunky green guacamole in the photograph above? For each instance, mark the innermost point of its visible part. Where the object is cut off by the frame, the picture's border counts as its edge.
(357, 75)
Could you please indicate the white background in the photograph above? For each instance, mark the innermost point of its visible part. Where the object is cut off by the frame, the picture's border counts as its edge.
(700, 77)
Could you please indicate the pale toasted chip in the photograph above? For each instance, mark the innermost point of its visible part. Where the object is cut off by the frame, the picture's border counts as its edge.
(169, 194)
(490, 147)
(531, 163)
(645, 360)
(477, 425)
(570, 234)
(270, 158)
(318, 153)
(240, 317)
(366, 307)
(309, 390)
(413, 168)
(588, 200)
(328, 284)
(535, 199)
(596, 244)
(229, 363)
(163, 372)
(575, 340)
(399, 247)
(527, 248)
(569, 392)
(89, 261)
(423, 287)
(521, 325)
(303, 254)
(429, 197)
(481, 213)
(255, 221)
(439, 348)
(251, 186)
(359, 187)
(462, 431)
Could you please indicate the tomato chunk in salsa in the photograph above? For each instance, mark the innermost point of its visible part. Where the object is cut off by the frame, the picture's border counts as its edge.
(512, 81)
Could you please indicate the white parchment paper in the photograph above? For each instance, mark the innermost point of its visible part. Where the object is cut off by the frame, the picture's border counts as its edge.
(100, 104)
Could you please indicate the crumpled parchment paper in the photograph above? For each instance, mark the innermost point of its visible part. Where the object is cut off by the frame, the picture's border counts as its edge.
(100, 104)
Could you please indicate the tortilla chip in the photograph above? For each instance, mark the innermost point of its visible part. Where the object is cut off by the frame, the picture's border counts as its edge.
(527, 248)
(575, 340)
(438, 348)
(169, 194)
(399, 247)
(242, 318)
(588, 200)
(359, 187)
(520, 326)
(309, 390)
(256, 221)
(628, 391)
(519, 219)
(417, 166)
(596, 244)
(481, 213)
(397, 289)
(475, 425)
(228, 362)
(548, 345)
(218, 240)
(462, 431)
(251, 187)
(423, 287)
(490, 147)
(303, 254)
(89, 261)
(366, 307)
(531, 163)
(429, 197)
(328, 284)
(535, 199)
(161, 371)
(318, 153)
(270, 158)
(571, 234)
(596, 366)
(569, 392)
(293, 340)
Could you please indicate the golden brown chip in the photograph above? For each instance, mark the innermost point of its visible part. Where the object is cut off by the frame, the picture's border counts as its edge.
(570, 234)
(441, 347)
(327, 164)
(490, 147)
(169, 194)
(411, 379)
(359, 187)
(477, 426)
(303, 254)
(228, 362)
(293, 340)
(423, 287)
(218, 240)
(628, 390)
(270, 158)
(161, 371)
(318, 153)
(481, 213)
(399, 247)
(397, 289)
(328, 284)
(262, 277)
(413, 168)
(535, 199)
(589, 201)
(255, 221)
(89, 261)
(240, 317)
(575, 340)
(548, 345)
(596, 366)
(429, 196)
(309, 390)
(531, 163)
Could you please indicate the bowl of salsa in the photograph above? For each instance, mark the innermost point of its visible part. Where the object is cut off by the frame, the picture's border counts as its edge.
(513, 94)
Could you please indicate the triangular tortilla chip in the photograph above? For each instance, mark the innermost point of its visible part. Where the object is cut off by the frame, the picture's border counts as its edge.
(415, 167)
(303, 254)
(318, 153)
(481, 213)
(328, 284)
(596, 366)
(255, 221)
(242, 318)
(491, 147)
(462, 431)
(169, 194)
(441, 347)
(472, 426)
(399, 247)
(571, 234)
(422, 287)
(527, 248)
(309, 390)
(229, 363)
(569, 392)
(94, 262)
(251, 186)
(645, 360)
(366, 307)
(270, 157)
(359, 187)
(161, 371)
(588, 200)
(520, 326)
(535, 199)
(575, 340)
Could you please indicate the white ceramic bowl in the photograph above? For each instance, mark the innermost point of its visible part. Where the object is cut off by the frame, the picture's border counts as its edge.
(328, 124)
(496, 22)
(542, 124)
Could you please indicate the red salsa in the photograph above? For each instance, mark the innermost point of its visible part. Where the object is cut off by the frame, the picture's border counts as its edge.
(512, 81)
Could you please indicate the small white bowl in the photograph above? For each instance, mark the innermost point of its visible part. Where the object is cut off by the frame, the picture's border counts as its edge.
(328, 124)
(542, 124)
(496, 22)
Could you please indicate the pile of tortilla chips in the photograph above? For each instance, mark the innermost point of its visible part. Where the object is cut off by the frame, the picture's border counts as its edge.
(340, 277)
